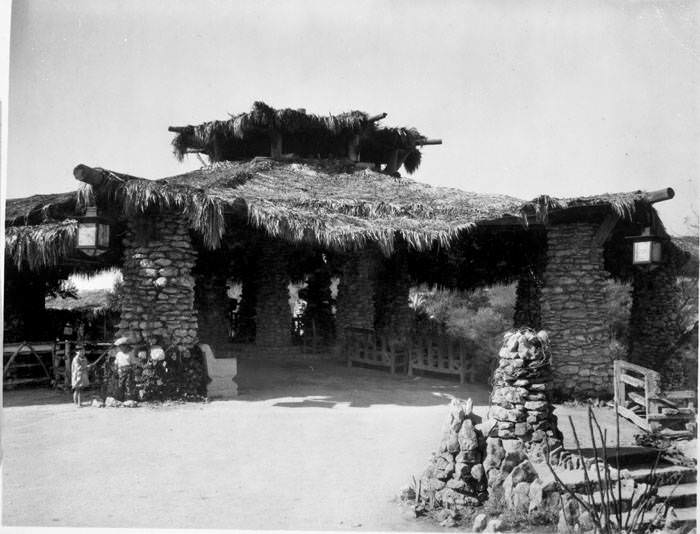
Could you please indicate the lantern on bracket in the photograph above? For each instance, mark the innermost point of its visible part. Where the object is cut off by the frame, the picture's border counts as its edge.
(93, 233)
(646, 249)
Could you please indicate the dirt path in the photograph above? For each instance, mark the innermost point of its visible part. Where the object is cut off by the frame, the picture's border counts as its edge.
(320, 447)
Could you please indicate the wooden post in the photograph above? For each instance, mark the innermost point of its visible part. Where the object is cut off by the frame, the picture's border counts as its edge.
(66, 358)
(54, 362)
(353, 145)
(275, 144)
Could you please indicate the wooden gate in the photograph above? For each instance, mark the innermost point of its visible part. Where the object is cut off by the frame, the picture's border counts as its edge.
(639, 398)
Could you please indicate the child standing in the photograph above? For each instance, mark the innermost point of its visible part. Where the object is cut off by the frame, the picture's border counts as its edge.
(79, 375)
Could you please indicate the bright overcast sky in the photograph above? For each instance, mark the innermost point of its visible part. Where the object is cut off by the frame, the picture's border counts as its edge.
(566, 98)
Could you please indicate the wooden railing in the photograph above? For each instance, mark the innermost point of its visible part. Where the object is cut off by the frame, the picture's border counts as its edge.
(366, 346)
(440, 353)
(37, 362)
(435, 353)
(639, 398)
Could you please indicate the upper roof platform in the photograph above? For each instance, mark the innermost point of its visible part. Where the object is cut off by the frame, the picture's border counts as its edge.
(354, 136)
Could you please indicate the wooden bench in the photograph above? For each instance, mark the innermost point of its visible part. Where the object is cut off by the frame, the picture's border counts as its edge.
(639, 398)
(367, 347)
(439, 353)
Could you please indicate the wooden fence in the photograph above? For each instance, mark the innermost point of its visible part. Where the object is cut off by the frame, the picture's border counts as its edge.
(363, 345)
(639, 398)
(49, 362)
(440, 354)
(420, 352)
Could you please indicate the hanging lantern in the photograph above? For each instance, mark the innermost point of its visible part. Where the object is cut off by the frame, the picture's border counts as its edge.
(646, 249)
(93, 233)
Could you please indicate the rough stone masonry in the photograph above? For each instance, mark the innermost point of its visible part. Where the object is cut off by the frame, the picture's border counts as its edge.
(525, 425)
(158, 290)
(573, 309)
(455, 477)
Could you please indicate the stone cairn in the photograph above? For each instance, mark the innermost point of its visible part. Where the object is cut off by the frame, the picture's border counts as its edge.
(525, 428)
(455, 477)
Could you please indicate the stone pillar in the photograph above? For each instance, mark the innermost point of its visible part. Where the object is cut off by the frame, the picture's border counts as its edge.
(654, 316)
(355, 302)
(158, 290)
(573, 310)
(391, 298)
(521, 403)
(318, 314)
(212, 305)
(528, 295)
(525, 430)
(273, 322)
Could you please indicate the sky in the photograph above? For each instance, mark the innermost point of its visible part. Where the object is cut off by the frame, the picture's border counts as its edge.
(566, 98)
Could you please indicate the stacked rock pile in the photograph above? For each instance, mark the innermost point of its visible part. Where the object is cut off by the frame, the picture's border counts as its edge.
(455, 477)
(520, 399)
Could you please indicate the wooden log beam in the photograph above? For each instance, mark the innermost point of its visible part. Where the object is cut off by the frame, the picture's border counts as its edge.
(425, 142)
(376, 118)
(88, 175)
(181, 129)
(660, 195)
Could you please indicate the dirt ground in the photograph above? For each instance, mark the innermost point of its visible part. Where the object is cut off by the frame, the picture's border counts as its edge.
(306, 446)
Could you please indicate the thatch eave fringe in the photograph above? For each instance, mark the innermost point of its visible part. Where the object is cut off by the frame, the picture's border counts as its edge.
(40, 246)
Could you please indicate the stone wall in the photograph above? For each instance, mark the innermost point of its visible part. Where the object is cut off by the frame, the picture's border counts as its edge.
(158, 289)
(212, 305)
(573, 310)
(273, 321)
(654, 316)
(355, 301)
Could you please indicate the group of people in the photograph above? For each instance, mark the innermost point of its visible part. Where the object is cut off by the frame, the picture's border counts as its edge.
(124, 362)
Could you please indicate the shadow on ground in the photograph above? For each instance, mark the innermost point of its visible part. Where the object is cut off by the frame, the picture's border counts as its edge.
(325, 384)
(32, 396)
(308, 383)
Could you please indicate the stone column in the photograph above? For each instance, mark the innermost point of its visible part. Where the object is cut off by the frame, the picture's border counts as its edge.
(528, 295)
(318, 314)
(273, 322)
(573, 310)
(158, 290)
(391, 298)
(654, 316)
(355, 302)
(212, 305)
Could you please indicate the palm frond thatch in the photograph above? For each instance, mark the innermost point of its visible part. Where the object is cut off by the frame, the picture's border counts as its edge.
(316, 202)
(245, 135)
(40, 246)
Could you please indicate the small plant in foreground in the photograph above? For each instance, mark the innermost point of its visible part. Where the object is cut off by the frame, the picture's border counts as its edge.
(603, 506)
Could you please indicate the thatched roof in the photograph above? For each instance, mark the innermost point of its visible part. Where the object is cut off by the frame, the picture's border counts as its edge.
(94, 301)
(330, 204)
(39, 208)
(247, 135)
(689, 245)
(40, 246)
